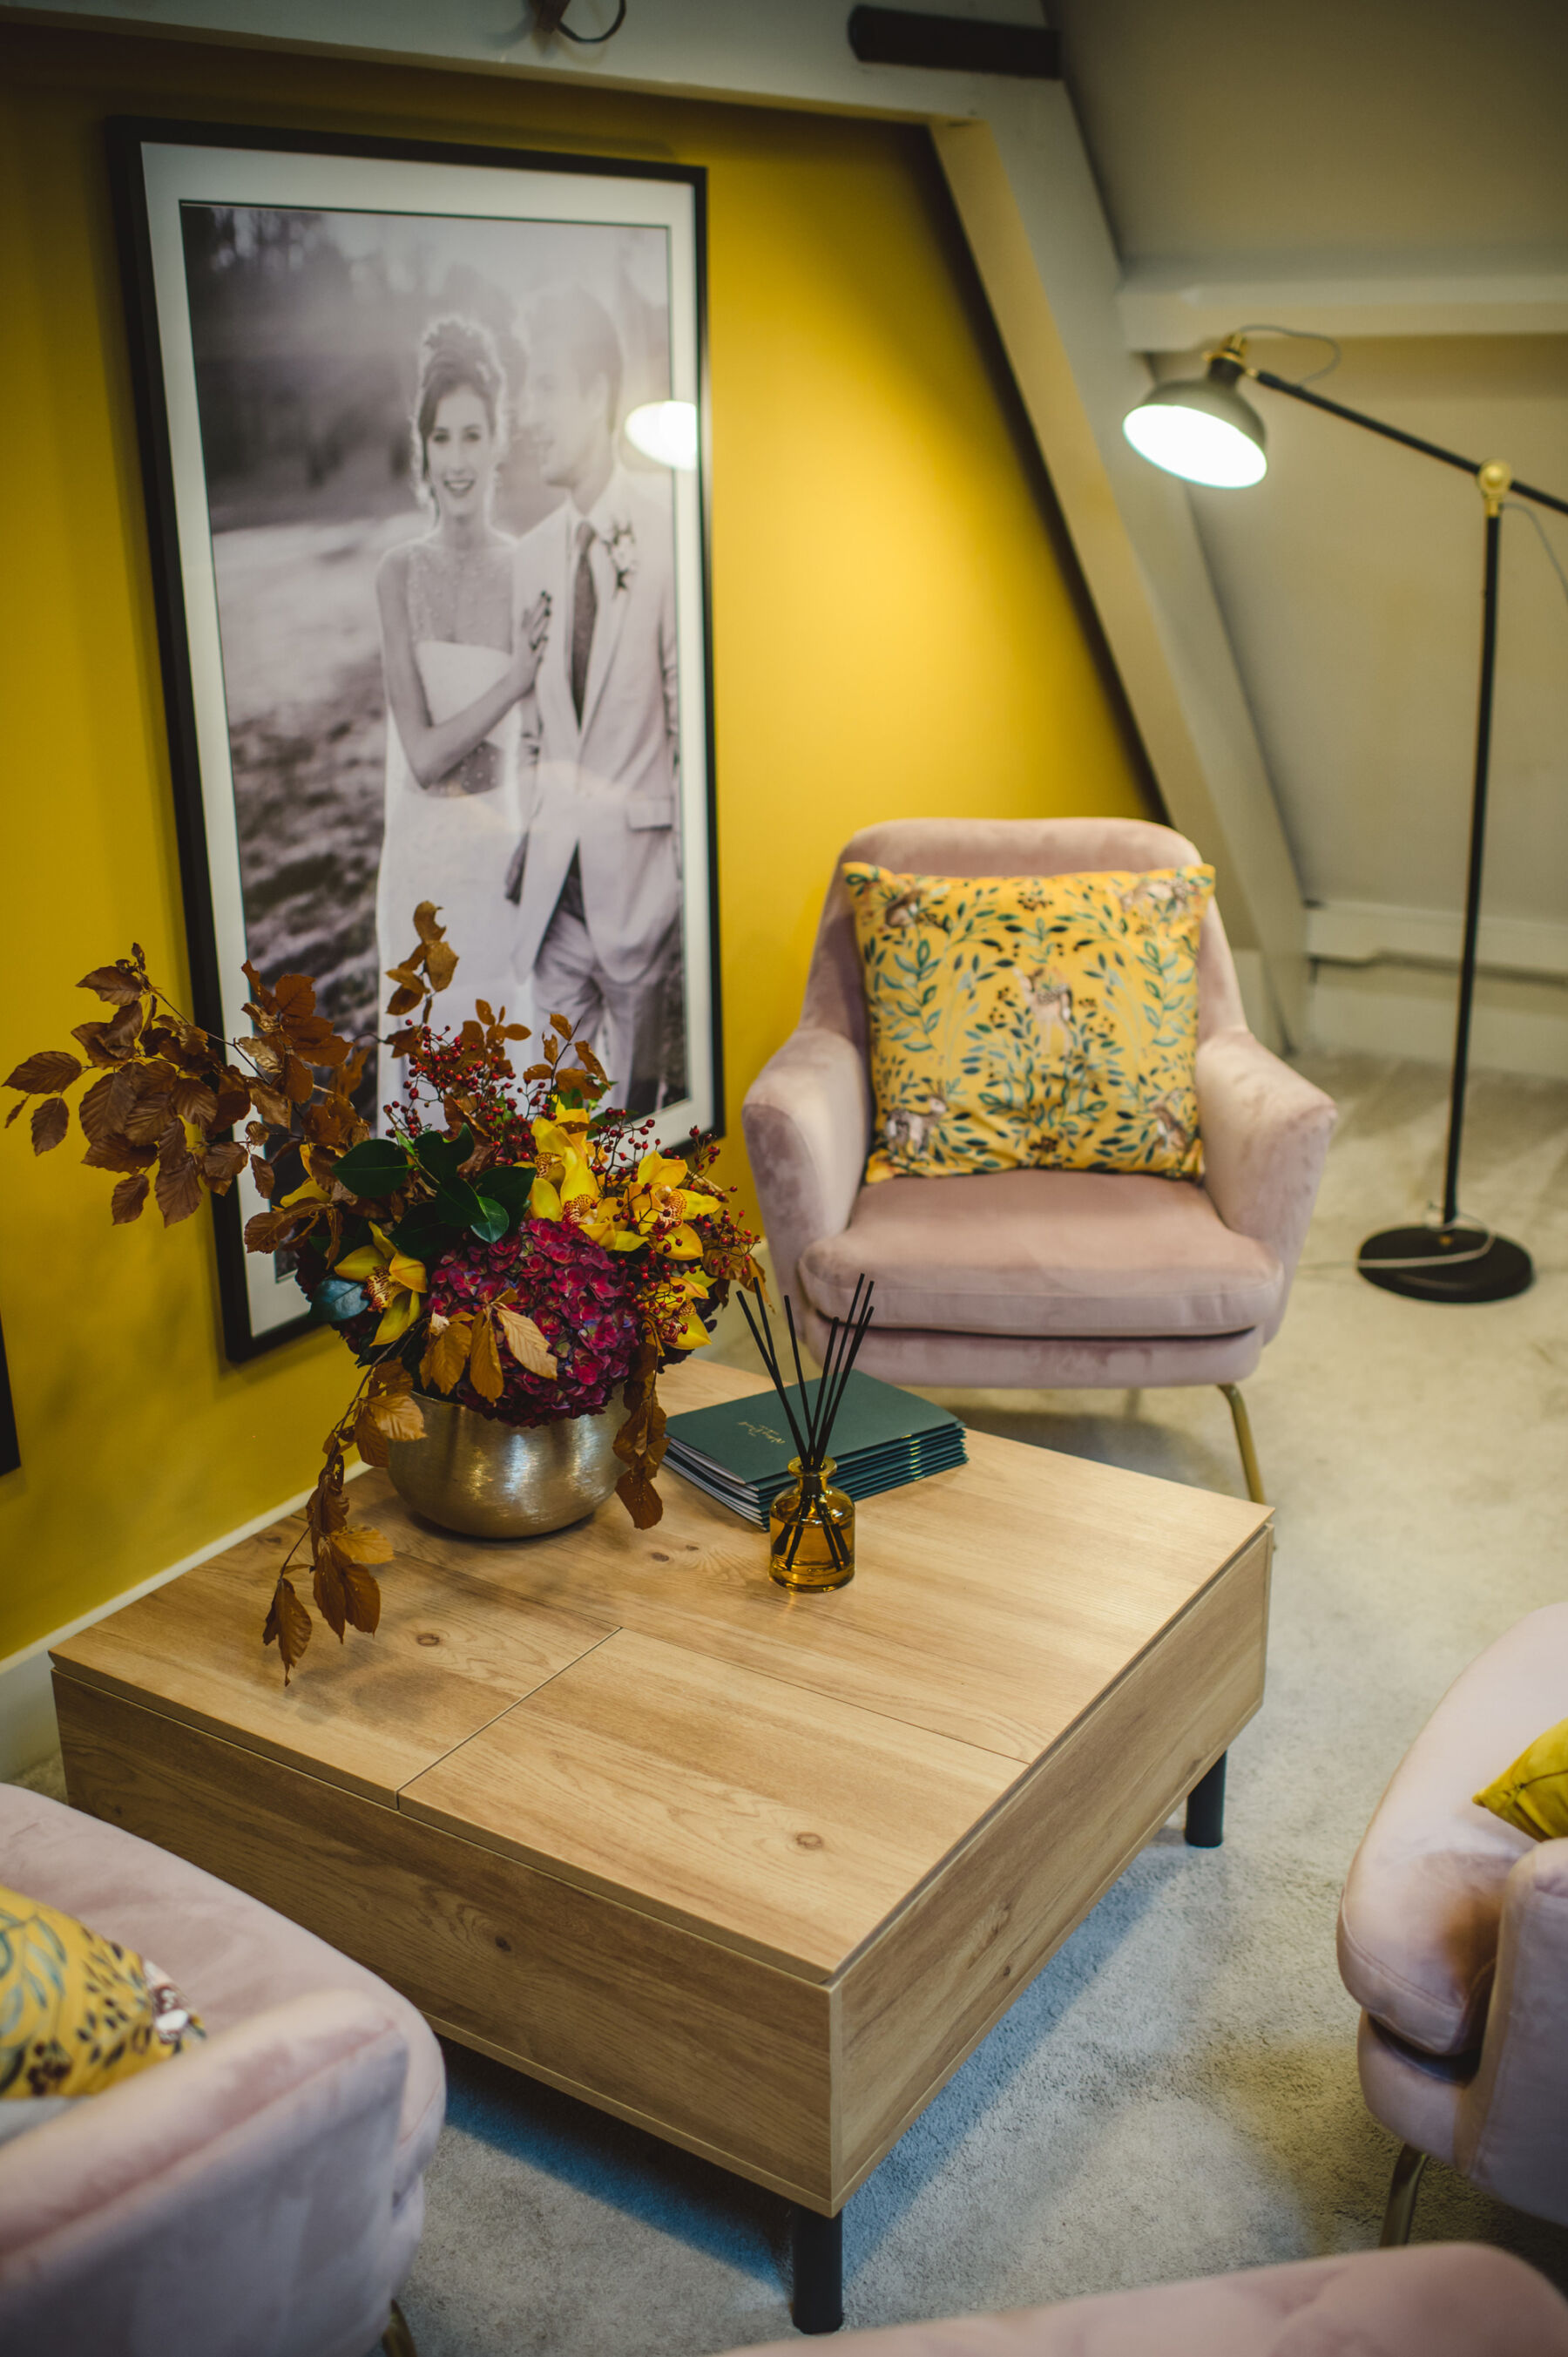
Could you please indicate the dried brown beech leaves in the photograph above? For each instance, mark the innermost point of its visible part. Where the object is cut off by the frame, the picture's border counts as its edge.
(585, 1077)
(469, 1344)
(287, 1626)
(389, 1412)
(640, 1443)
(428, 967)
(49, 1068)
(126, 1201)
(50, 1121)
(344, 1588)
(162, 1095)
(166, 1092)
(446, 1352)
(526, 1343)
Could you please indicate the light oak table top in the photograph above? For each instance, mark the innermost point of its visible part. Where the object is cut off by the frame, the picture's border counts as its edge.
(828, 1789)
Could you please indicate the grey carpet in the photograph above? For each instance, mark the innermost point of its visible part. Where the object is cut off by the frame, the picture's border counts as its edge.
(1176, 2092)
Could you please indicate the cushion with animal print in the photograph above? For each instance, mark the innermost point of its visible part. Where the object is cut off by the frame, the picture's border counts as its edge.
(1046, 1022)
(78, 2011)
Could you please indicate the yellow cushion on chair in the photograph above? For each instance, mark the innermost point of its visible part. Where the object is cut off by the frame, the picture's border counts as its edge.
(78, 2012)
(1032, 1022)
(1534, 1793)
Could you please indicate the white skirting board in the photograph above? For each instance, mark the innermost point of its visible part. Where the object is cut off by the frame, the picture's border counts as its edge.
(28, 1730)
(1385, 982)
(1519, 1022)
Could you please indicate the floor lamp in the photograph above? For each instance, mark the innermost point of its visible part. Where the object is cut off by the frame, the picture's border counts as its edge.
(1202, 429)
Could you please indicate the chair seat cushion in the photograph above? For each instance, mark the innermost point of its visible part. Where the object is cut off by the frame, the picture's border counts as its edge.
(1082, 1252)
(233, 1957)
(1418, 1922)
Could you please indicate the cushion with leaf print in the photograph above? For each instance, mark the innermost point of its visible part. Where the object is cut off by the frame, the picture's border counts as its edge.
(79, 2012)
(1032, 1022)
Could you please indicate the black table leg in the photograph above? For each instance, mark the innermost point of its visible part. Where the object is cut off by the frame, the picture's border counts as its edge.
(819, 2271)
(1206, 1808)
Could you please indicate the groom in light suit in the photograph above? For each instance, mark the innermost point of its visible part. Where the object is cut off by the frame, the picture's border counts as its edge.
(596, 877)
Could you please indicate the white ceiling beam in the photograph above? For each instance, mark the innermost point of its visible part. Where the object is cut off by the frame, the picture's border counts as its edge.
(1180, 307)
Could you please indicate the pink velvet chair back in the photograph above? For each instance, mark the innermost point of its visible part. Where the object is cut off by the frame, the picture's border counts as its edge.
(1003, 846)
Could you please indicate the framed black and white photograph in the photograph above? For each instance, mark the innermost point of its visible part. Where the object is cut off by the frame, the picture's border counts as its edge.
(425, 433)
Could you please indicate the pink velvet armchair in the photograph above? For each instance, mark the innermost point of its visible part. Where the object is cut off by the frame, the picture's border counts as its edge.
(1454, 1940)
(1038, 1279)
(260, 2196)
(1454, 2299)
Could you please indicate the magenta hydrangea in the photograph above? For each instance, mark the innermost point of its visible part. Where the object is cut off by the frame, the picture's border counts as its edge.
(580, 1298)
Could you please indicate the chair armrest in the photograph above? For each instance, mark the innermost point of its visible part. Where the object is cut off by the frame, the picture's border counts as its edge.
(1443, 2299)
(1513, 2123)
(239, 2197)
(1265, 1132)
(806, 1119)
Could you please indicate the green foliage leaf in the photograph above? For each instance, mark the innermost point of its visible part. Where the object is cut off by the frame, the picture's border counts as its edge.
(492, 1223)
(378, 1166)
(456, 1204)
(338, 1299)
(463, 1208)
(441, 1156)
(425, 1234)
(510, 1185)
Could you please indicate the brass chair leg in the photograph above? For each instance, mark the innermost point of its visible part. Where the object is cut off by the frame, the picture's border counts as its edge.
(1400, 2215)
(1242, 1423)
(397, 2340)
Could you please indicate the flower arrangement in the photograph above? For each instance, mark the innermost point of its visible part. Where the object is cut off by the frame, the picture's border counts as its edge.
(511, 1244)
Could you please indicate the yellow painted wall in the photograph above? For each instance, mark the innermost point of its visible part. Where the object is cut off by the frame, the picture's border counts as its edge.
(896, 631)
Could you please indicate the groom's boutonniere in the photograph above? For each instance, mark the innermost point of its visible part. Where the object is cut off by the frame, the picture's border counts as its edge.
(620, 546)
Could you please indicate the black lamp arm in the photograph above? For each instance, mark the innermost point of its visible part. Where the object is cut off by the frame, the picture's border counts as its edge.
(1411, 1260)
(1395, 434)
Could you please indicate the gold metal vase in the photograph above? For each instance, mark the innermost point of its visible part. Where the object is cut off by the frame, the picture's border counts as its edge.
(811, 1531)
(491, 1481)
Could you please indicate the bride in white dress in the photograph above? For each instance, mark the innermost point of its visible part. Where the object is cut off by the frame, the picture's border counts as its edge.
(458, 661)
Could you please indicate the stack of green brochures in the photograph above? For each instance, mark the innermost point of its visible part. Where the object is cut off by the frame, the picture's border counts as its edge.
(740, 1453)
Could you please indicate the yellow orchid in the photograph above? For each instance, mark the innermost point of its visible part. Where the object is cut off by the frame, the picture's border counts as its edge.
(310, 1193)
(564, 1174)
(661, 1208)
(392, 1279)
(675, 1310)
(602, 1226)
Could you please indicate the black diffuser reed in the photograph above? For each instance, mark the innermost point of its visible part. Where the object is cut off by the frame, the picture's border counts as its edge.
(812, 1430)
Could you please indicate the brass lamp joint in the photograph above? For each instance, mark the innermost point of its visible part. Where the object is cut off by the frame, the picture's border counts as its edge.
(1493, 481)
(1229, 360)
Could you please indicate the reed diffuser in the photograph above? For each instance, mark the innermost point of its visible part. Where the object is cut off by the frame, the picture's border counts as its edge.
(810, 1524)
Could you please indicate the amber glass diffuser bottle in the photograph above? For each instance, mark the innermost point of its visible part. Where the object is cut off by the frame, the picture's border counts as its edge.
(811, 1525)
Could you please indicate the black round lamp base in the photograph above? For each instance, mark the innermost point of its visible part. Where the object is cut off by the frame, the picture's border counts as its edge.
(1456, 1264)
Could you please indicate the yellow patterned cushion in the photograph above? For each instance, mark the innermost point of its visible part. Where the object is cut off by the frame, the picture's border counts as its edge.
(1032, 1022)
(78, 2012)
(1534, 1793)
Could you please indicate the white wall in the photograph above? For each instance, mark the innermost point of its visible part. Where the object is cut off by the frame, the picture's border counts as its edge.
(1398, 174)
(1351, 581)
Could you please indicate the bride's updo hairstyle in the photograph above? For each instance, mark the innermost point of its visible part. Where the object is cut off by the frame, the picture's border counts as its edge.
(456, 355)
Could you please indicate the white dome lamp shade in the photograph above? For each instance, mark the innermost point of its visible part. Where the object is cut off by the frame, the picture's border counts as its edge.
(666, 432)
(1201, 428)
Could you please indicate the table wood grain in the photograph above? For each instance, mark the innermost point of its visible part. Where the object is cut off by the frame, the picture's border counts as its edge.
(752, 1868)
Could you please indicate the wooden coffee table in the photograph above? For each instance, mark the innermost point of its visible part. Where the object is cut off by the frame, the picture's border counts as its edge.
(755, 1872)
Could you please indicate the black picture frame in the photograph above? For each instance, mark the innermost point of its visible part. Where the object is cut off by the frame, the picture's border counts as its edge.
(155, 341)
(10, 1445)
